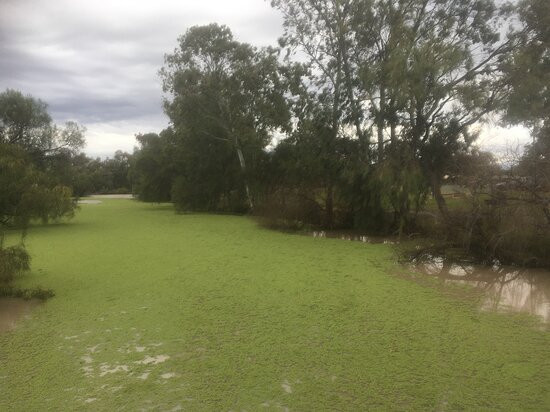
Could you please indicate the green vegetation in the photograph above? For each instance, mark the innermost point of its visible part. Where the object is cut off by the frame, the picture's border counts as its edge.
(29, 189)
(363, 110)
(157, 310)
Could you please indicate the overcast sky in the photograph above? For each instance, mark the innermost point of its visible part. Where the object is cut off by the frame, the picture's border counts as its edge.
(96, 61)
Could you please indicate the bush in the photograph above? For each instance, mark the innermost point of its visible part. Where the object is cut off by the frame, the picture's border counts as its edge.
(511, 232)
(288, 210)
(26, 294)
(13, 260)
(187, 196)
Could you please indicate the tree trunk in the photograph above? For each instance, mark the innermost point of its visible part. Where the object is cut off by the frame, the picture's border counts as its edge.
(356, 112)
(243, 168)
(439, 199)
(329, 207)
(546, 211)
(380, 124)
(393, 126)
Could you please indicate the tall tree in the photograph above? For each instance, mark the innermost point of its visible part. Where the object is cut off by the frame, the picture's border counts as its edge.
(25, 121)
(432, 70)
(320, 33)
(152, 170)
(528, 71)
(28, 190)
(225, 96)
(528, 67)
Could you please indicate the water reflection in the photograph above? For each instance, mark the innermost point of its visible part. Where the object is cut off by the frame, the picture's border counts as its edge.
(14, 309)
(353, 236)
(89, 202)
(504, 287)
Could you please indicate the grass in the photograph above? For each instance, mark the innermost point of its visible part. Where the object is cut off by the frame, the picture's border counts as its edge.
(159, 311)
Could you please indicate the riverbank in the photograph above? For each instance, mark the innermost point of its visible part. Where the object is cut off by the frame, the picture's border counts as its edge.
(155, 310)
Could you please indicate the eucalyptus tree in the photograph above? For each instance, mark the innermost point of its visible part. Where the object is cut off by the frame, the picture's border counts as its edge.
(431, 70)
(152, 170)
(380, 33)
(25, 121)
(28, 140)
(528, 67)
(28, 189)
(421, 71)
(226, 99)
(26, 193)
(528, 71)
(319, 34)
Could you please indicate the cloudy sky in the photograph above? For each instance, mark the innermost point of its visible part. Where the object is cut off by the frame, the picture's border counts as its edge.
(96, 61)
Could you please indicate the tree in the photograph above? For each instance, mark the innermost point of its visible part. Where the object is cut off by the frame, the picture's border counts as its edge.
(321, 33)
(25, 194)
(24, 121)
(152, 170)
(310, 164)
(431, 69)
(528, 72)
(421, 71)
(528, 67)
(226, 100)
(28, 190)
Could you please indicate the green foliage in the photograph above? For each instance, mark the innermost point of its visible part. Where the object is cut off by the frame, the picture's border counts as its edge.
(27, 193)
(28, 189)
(24, 195)
(419, 72)
(26, 294)
(24, 121)
(226, 98)
(152, 170)
(528, 67)
(420, 76)
(309, 166)
(13, 261)
(527, 72)
(403, 187)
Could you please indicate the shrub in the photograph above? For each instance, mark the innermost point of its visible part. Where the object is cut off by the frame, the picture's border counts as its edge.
(289, 210)
(26, 294)
(13, 260)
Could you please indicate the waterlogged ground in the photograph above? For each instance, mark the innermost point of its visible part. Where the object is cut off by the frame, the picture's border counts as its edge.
(503, 288)
(14, 310)
(158, 311)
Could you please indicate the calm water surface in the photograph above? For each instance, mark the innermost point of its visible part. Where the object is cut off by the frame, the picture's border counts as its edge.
(505, 288)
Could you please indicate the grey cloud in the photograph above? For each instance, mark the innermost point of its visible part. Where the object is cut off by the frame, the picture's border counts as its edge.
(97, 62)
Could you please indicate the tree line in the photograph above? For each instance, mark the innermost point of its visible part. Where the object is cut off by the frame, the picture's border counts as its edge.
(43, 172)
(359, 117)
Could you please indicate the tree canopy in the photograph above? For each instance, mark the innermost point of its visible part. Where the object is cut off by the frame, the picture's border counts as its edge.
(29, 189)
(226, 99)
(363, 109)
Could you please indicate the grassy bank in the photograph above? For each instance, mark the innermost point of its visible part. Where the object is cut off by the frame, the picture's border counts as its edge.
(161, 311)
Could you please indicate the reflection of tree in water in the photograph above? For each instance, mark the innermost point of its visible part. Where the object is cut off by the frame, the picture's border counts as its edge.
(526, 290)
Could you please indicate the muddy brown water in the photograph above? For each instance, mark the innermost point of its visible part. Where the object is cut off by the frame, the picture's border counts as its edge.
(505, 288)
(14, 310)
